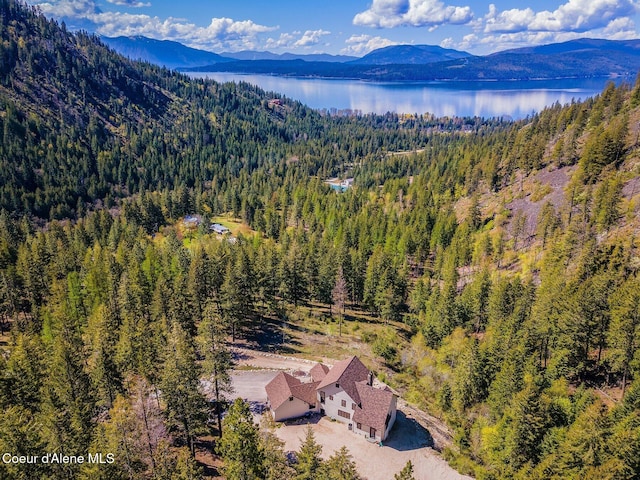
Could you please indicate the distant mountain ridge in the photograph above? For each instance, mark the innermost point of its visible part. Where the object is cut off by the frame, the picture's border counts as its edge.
(582, 58)
(165, 53)
(410, 55)
(311, 57)
(578, 45)
(585, 58)
(172, 54)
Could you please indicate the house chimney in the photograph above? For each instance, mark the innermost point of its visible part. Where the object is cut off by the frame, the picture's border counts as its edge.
(370, 379)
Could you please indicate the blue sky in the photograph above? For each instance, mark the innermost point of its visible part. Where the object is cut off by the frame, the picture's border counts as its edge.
(352, 27)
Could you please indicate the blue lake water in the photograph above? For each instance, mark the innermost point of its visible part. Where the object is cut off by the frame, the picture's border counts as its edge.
(484, 99)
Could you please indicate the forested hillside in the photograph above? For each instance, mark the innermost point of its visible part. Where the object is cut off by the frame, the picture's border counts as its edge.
(500, 261)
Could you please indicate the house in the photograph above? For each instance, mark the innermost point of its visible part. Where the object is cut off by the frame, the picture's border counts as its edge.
(340, 186)
(219, 229)
(346, 392)
(192, 221)
(347, 183)
(290, 398)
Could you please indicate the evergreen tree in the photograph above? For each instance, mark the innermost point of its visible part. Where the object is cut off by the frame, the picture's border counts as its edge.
(218, 360)
(585, 445)
(528, 424)
(276, 465)
(624, 330)
(309, 464)
(406, 473)
(340, 466)
(339, 296)
(240, 444)
(186, 406)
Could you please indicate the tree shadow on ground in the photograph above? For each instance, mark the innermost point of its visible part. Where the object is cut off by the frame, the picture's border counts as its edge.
(205, 457)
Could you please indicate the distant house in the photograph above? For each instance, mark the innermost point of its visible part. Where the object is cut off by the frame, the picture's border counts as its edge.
(347, 393)
(219, 229)
(192, 221)
(340, 186)
(346, 183)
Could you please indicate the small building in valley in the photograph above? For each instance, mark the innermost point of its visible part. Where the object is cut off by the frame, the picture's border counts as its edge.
(192, 221)
(219, 229)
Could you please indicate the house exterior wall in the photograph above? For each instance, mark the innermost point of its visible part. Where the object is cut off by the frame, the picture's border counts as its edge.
(392, 410)
(365, 430)
(292, 409)
(331, 407)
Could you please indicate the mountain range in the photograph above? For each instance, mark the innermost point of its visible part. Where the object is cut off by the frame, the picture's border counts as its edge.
(171, 54)
(311, 57)
(582, 58)
(410, 55)
(162, 52)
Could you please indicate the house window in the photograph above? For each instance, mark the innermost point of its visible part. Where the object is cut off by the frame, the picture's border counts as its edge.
(337, 385)
(331, 397)
(353, 406)
(359, 426)
(372, 432)
(321, 397)
(344, 414)
(291, 399)
(312, 406)
(343, 403)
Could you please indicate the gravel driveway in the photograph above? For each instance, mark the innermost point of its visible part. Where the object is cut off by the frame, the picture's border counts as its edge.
(407, 441)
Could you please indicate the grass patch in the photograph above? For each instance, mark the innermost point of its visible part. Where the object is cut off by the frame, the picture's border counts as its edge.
(236, 226)
(313, 333)
(249, 368)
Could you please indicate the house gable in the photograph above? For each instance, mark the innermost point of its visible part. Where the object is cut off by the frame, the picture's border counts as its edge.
(344, 375)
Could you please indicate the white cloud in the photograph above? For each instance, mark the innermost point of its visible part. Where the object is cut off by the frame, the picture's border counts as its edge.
(285, 40)
(311, 37)
(221, 33)
(363, 44)
(416, 13)
(296, 39)
(514, 28)
(129, 3)
(573, 16)
(468, 42)
(68, 8)
(621, 29)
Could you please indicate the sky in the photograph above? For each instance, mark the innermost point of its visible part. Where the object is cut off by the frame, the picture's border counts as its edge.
(351, 27)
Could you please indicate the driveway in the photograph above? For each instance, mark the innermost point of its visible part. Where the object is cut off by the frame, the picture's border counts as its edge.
(249, 385)
(407, 441)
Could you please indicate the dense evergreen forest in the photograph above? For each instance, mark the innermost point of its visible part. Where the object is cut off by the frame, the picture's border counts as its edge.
(501, 256)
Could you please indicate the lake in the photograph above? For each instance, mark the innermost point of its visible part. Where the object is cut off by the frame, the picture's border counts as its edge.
(483, 99)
